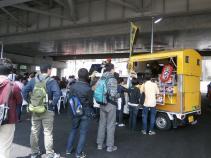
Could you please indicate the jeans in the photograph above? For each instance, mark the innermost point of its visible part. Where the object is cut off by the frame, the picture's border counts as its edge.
(18, 110)
(46, 120)
(83, 124)
(133, 110)
(107, 125)
(97, 112)
(119, 117)
(145, 117)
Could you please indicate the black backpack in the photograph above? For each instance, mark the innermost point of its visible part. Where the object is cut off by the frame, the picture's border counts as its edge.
(134, 95)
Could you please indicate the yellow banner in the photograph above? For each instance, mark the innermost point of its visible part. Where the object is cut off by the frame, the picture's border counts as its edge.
(133, 30)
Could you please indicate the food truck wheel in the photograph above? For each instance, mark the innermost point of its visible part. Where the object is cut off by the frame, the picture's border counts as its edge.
(162, 121)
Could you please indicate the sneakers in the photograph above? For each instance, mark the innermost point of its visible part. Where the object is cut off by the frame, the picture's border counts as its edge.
(100, 147)
(152, 133)
(69, 155)
(54, 155)
(111, 148)
(121, 125)
(82, 155)
(143, 132)
(36, 155)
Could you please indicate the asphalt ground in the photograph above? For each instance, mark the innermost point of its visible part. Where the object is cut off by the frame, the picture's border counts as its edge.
(192, 141)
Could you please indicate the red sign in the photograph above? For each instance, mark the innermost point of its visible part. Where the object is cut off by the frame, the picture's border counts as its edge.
(166, 73)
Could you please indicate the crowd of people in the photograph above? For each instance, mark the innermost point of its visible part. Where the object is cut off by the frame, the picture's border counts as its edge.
(42, 92)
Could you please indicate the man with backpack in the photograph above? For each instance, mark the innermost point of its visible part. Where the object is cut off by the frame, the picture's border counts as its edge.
(108, 110)
(10, 98)
(44, 95)
(81, 112)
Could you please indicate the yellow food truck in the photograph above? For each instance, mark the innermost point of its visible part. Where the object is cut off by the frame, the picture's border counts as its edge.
(177, 74)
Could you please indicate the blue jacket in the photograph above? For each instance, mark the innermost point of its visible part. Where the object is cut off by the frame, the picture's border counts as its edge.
(53, 91)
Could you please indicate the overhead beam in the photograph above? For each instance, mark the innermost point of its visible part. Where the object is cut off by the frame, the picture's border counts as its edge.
(6, 3)
(72, 9)
(125, 4)
(147, 6)
(62, 57)
(60, 3)
(22, 7)
(40, 3)
(22, 59)
(103, 28)
(18, 21)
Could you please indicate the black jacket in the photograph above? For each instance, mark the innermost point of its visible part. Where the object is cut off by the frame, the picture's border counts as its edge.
(84, 92)
(121, 90)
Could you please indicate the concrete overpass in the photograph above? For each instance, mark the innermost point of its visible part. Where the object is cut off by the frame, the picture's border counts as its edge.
(64, 29)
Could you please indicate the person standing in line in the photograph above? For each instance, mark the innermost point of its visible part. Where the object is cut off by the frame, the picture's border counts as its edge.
(209, 94)
(45, 119)
(10, 94)
(12, 75)
(134, 100)
(108, 112)
(151, 90)
(82, 90)
(71, 80)
(18, 79)
(121, 90)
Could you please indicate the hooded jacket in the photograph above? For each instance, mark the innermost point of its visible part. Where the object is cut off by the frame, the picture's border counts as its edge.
(111, 87)
(52, 89)
(14, 100)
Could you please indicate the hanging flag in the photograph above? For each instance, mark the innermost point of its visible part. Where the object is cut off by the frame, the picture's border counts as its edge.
(133, 31)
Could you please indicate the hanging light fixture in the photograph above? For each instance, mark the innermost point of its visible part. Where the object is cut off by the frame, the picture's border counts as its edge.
(158, 20)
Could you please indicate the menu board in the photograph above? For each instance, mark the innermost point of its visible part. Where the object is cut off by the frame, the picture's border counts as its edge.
(166, 89)
(160, 98)
(169, 90)
(170, 81)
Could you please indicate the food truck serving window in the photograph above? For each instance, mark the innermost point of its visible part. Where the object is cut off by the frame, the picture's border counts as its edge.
(187, 59)
(198, 62)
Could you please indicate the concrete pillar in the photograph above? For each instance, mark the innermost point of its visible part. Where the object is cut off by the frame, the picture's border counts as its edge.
(32, 68)
(59, 73)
